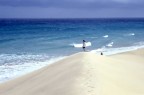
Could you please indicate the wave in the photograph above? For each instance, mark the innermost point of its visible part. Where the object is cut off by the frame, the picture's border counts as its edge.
(13, 65)
(106, 36)
(111, 51)
(130, 34)
(139, 43)
(110, 44)
(80, 45)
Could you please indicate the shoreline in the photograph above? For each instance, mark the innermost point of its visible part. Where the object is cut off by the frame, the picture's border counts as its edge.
(139, 50)
(20, 70)
(84, 73)
(58, 59)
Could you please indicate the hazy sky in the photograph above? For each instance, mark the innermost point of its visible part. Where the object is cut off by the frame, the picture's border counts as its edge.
(71, 8)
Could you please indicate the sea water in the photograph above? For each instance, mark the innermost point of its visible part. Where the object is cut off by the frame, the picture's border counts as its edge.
(29, 44)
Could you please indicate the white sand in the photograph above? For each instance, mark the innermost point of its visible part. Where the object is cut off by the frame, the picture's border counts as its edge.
(84, 74)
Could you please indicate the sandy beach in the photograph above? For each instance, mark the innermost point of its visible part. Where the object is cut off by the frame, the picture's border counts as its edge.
(84, 73)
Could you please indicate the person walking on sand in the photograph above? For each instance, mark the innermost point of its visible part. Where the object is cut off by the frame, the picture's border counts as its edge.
(84, 45)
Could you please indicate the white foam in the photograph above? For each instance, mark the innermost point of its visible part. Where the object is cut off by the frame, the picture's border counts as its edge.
(110, 51)
(130, 34)
(81, 45)
(17, 68)
(105, 36)
(110, 44)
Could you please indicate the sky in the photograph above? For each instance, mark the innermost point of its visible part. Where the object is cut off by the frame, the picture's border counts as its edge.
(71, 8)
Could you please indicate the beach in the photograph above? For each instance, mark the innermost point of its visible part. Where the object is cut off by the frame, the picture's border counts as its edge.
(27, 45)
(84, 73)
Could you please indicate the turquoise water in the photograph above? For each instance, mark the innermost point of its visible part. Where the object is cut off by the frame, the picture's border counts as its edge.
(29, 44)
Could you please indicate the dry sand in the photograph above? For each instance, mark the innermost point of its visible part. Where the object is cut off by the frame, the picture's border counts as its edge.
(84, 74)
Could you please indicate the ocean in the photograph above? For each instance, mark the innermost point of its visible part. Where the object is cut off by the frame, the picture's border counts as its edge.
(29, 44)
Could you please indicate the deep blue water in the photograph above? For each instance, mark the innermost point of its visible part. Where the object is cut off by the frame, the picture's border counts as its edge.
(28, 44)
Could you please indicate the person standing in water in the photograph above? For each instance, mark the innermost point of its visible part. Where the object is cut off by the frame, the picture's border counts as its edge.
(84, 45)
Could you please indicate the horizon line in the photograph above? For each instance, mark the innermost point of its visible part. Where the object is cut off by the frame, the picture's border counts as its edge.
(83, 18)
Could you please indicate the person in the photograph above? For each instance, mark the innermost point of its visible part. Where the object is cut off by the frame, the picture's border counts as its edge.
(101, 53)
(84, 45)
